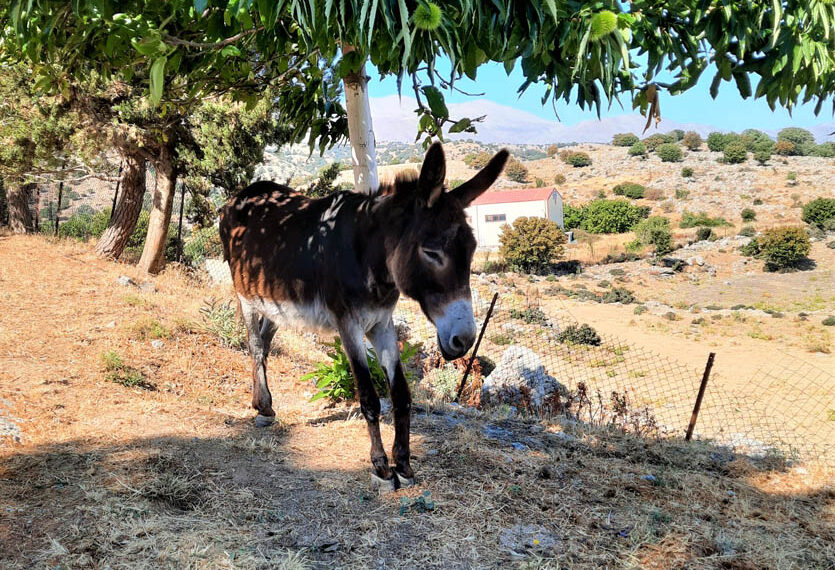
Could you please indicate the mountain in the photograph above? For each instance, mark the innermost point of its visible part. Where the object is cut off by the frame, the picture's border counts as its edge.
(394, 120)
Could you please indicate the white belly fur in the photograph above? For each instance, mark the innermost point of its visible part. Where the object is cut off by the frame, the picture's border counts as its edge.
(314, 316)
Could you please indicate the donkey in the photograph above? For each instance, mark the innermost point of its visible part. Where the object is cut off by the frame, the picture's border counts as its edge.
(341, 262)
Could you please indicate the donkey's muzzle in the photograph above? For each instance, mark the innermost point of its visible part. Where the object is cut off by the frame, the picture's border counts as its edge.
(456, 329)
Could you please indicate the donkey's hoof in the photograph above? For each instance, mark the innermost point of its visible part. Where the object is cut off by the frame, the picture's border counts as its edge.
(404, 481)
(383, 486)
(264, 421)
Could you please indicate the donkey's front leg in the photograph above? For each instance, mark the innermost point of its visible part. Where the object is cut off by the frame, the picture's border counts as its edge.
(351, 335)
(384, 338)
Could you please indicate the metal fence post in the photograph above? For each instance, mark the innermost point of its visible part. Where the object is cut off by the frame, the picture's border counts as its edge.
(475, 350)
(701, 395)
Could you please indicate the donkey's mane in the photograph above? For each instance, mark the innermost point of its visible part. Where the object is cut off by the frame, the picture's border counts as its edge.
(402, 177)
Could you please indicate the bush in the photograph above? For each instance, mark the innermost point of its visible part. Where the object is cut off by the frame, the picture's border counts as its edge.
(818, 211)
(828, 322)
(477, 160)
(531, 245)
(575, 159)
(582, 334)
(532, 316)
(785, 148)
(516, 171)
(669, 152)
(624, 139)
(755, 139)
(618, 295)
(654, 194)
(559, 179)
(572, 217)
(687, 172)
(762, 156)
(717, 141)
(704, 234)
(652, 142)
(221, 320)
(539, 182)
(552, 150)
(692, 140)
(611, 216)
(748, 215)
(638, 149)
(800, 138)
(629, 189)
(782, 248)
(748, 231)
(735, 153)
(825, 150)
(682, 194)
(202, 243)
(691, 220)
(84, 225)
(655, 231)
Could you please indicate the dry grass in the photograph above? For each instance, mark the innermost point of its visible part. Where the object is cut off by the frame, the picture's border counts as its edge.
(109, 476)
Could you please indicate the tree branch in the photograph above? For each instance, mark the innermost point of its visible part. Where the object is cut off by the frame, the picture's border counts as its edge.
(211, 45)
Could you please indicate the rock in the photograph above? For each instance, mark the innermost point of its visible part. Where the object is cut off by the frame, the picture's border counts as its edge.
(520, 538)
(126, 281)
(519, 368)
(157, 343)
(696, 260)
(148, 287)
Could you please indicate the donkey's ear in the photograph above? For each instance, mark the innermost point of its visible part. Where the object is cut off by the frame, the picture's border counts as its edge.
(432, 174)
(475, 186)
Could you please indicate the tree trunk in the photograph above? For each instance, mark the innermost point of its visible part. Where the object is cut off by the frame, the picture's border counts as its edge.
(20, 215)
(360, 130)
(112, 242)
(153, 254)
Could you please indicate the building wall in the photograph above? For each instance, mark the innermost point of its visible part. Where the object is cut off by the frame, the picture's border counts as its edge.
(487, 233)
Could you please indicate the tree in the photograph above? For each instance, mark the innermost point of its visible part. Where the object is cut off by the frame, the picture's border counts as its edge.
(638, 149)
(669, 152)
(692, 140)
(516, 171)
(735, 153)
(655, 231)
(803, 140)
(818, 212)
(531, 245)
(611, 216)
(624, 139)
(762, 156)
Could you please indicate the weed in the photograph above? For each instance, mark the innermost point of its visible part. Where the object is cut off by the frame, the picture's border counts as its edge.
(134, 300)
(149, 328)
(582, 334)
(118, 373)
(421, 504)
(221, 320)
(533, 316)
(501, 339)
(828, 322)
(671, 316)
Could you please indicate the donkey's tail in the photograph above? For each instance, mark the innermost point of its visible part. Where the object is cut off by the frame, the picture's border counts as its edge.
(226, 215)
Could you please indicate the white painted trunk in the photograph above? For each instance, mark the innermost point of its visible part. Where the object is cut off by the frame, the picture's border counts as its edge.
(361, 131)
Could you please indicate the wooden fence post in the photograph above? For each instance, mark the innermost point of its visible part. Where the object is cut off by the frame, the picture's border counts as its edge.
(701, 395)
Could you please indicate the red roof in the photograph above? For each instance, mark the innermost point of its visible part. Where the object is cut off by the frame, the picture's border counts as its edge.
(520, 195)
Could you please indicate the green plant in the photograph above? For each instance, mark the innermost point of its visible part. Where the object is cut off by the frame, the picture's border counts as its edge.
(783, 248)
(516, 171)
(831, 245)
(611, 216)
(818, 212)
(572, 217)
(682, 194)
(624, 139)
(735, 153)
(118, 373)
(618, 295)
(532, 244)
(639, 310)
(762, 156)
(669, 152)
(748, 231)
(717, 141)
(652, 142)
(539, 182)
(691, 220)
(559, 179)
(692, 140)
(703, 234)
(221, 320)
(629, 189)
(825, 150)
(147, 327)
(758, 202)
(638, 149)
(532, 316)
(802, 139)
(655, 231)
(582, 334)
(686, 172)
(577, 159)
(785, 148)
(828, 322)
(748, 215)
(201, 244)
(501, 339)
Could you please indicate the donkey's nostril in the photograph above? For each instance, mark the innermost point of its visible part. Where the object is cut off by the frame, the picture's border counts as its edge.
(456, 343)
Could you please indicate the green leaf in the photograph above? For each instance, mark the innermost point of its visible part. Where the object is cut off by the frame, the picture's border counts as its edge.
(157, 79)
(461, 126)
(230, 51)
(436, 101)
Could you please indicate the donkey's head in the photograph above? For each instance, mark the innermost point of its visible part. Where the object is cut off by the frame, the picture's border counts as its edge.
(430, 254)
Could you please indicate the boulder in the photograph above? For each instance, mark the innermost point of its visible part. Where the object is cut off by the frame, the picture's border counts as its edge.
(519, 371)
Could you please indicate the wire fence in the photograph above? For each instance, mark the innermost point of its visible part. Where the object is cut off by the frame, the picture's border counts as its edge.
(538, 359)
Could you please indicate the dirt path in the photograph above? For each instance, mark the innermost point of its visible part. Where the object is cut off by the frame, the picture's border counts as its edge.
(97, 474)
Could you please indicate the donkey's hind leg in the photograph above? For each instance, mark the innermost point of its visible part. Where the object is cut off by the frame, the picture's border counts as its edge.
(262, 400)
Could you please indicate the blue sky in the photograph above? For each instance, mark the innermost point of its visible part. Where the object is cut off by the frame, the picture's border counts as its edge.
(728, 110)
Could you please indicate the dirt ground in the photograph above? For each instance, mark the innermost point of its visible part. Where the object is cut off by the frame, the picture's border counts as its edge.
(97, 474)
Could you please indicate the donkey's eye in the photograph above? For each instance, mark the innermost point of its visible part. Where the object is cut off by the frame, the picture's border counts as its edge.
(433, 255)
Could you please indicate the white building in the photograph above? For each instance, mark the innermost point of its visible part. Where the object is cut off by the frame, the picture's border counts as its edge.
(492, 210)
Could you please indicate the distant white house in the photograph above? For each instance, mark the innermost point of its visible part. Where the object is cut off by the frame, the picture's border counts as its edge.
(492, 210)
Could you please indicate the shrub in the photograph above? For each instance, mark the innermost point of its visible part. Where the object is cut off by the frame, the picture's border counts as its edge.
(624, 139)
(478, 160)
(577, 159)
(762, 156)
(539, 182)
(783, 248)
(704, 234)
(654, 194)
(717, 141)
(669, 152)
(619, 295)
(682, 194)
(532, 244)
(652, 142)
(687, 172)
(655, 231)
(532, 316)
(691, 220)
(640, 310)
(552, 150)
(800, 138)
(748, 215)
(516, 171)
(758, 201)
(825, 150)
(676, 134)
(84, 225)
(668, 206)
(828, 322)
(748, 231)
(735, 153)
(638, 149)
(818, 211)
(831, 245)
(582, 334)
(629, 189)
(559, 179)
(755, 139)
(572, 217)
(222, 321)
(611, 216)
(785, 148)
(692, 140)
(202, 243)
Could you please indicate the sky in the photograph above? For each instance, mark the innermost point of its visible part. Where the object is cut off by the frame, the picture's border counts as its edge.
(728, 111)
